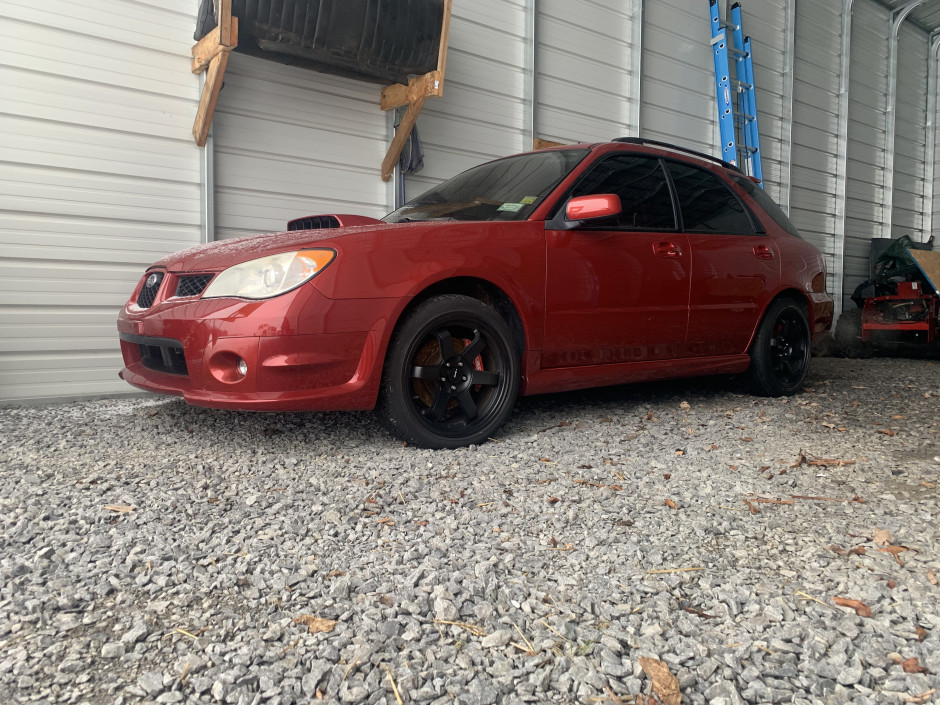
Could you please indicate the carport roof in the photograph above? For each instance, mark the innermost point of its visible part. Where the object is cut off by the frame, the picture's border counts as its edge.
(925, 16)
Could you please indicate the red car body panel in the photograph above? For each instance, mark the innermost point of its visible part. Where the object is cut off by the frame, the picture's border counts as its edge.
(596, 307)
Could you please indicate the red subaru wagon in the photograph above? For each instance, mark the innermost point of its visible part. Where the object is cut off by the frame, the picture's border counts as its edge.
(554, 270)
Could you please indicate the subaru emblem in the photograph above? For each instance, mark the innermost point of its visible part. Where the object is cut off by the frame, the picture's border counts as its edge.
(152, 281)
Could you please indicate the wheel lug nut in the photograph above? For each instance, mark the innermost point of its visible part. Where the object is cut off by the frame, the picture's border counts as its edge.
(459, 364)
(443, 379)
(463, 379)
(453, 388)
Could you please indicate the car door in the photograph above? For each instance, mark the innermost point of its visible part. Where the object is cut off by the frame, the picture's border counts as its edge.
(735, 266)
(618, 291)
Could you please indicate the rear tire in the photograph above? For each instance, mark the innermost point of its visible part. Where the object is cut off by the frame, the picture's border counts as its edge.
(781, 350)
(451, 374)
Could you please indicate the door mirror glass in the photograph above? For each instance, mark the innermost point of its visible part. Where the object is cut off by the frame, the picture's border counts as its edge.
(583, 208)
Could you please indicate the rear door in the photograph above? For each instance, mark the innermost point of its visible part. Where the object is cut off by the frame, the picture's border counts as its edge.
(735, 267)
(619, 291)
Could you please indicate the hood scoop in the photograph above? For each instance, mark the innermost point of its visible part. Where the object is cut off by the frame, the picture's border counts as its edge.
(326, 222)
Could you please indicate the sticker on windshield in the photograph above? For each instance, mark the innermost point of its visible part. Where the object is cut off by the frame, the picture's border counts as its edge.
(529, 200)
(511, 207)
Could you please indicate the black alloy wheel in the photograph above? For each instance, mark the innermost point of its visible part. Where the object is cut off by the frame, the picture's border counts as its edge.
(781, 350)
(451, 374)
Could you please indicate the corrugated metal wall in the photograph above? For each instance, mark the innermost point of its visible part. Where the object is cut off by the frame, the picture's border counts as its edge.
(678, 75)
(99, 177)
(585, 71)
(291, 142)
(911, 136)
(816, 124)
(865, 183)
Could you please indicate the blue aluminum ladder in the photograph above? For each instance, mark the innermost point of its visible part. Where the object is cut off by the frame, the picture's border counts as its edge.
(737, 119)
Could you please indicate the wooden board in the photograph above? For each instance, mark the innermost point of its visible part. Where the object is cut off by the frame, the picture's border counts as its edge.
(929, 263)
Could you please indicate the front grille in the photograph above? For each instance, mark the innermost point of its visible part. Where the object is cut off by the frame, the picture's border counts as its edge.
(192, 284)
(163, 356)
(148, 294)
(314, 222)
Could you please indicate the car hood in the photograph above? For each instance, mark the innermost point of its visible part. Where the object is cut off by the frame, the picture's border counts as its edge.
(215, 256)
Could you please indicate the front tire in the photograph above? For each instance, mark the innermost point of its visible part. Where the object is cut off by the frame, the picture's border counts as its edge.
(451, 374)
(781, 350)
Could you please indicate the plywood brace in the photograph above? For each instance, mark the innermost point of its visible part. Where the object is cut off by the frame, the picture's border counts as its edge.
(418, 90)
(210, 54)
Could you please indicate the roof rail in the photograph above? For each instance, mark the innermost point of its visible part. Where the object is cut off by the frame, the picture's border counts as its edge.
(657, 143)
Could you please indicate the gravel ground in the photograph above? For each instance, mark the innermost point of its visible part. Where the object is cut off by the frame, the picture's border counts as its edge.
(155, 552)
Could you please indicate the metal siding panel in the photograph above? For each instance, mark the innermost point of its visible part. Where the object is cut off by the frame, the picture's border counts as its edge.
(585, 71)
(481, 115)
(910, 139)
(678, 75)
(291, 142)
(815, 124)
(100, 178)
(871, 27)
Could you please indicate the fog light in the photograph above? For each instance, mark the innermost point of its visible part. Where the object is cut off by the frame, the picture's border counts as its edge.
(227, 367)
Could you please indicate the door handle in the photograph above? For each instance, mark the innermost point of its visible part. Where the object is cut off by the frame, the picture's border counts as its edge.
(666, 249)
(763, 252)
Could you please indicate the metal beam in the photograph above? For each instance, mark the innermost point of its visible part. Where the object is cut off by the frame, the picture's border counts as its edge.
(207, 181)
(891, 117)
(786, 137)
(531, 73)
(842, 156)
(636, 66)
(931, 141)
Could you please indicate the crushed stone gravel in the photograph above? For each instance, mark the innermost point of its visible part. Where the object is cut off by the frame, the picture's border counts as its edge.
(153, 552)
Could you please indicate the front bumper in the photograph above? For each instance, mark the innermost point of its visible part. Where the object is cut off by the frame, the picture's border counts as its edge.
(300, 351)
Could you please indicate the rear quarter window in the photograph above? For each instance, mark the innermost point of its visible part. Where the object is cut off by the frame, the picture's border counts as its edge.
(766, 204)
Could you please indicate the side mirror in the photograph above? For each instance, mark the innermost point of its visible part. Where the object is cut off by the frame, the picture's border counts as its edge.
(585, 208)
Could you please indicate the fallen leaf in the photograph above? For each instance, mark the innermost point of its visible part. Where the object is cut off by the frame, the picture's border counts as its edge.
(928, 485)
(858, 551)
(922, 698)
(421, 523)
(861, 609)
(799, 461)
(747, 439)
(679, 453)
(921, 633)
(671, 504)
(120, 508)
(553, 500)
(912, 665)
(386, 600)
(897, 416)
(315, 624)
(894, 551)
(763, 468)
(386, 520)
(664, 683)
(733, 467)
(887, 432)
(666, 475)
(554, 542)
(931, 577)
(837, 549)
(685, 406)
(828, 425)
(752, 508)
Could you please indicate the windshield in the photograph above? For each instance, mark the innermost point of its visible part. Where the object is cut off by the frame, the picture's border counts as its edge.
(507, 189)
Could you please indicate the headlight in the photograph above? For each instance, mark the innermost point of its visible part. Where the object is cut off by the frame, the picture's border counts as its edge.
(269, 276)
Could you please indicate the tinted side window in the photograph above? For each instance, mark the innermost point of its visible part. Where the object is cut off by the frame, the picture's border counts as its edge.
(643, 189)
(707, 204)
